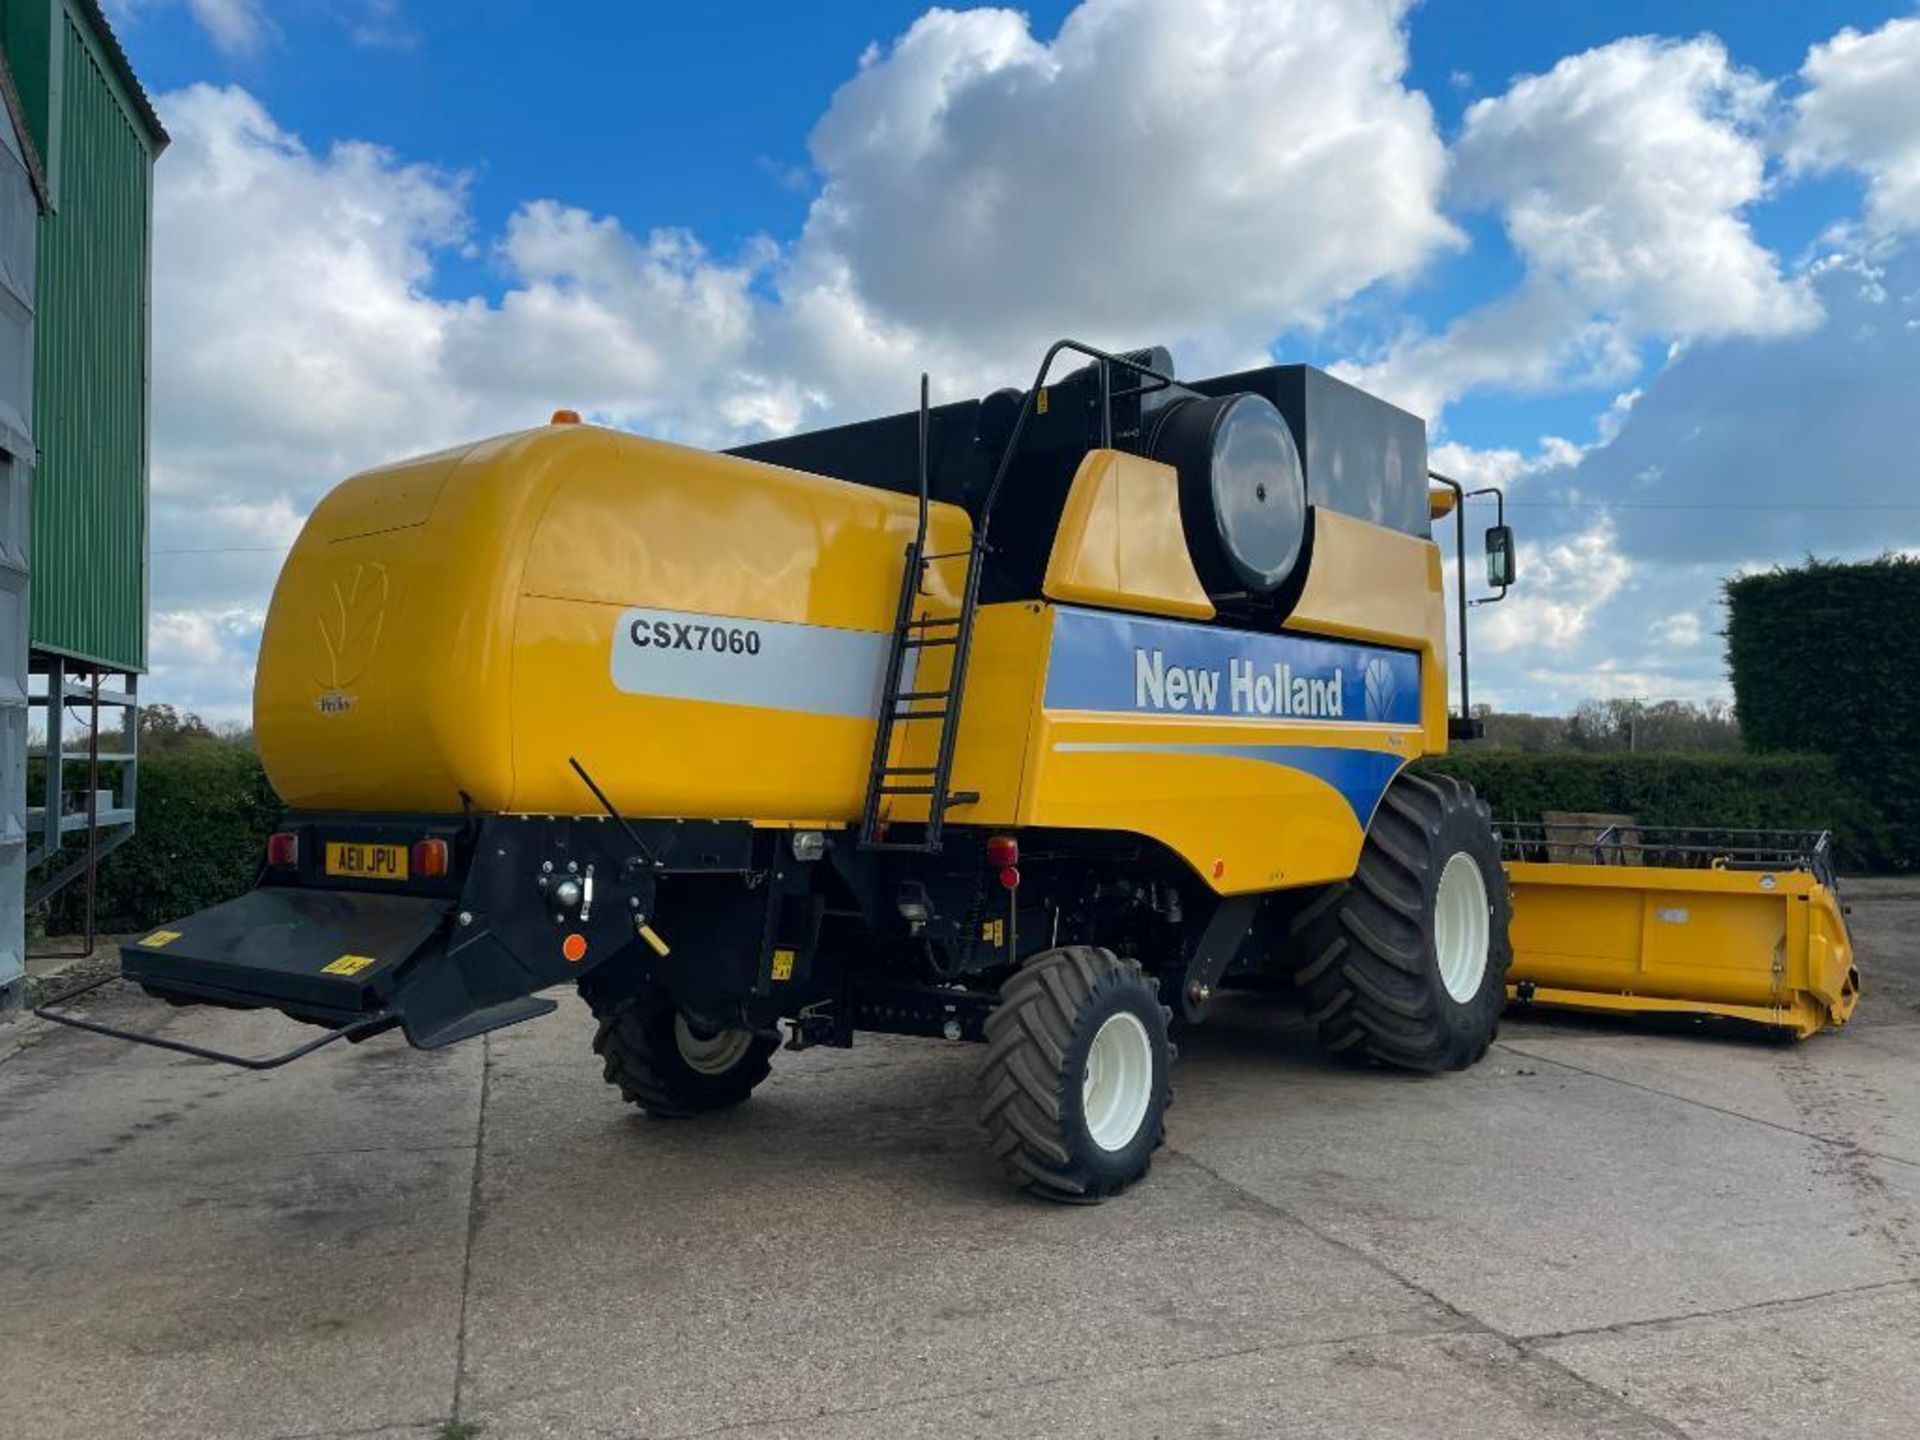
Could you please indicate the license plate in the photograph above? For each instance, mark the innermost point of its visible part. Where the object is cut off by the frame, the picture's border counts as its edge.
(355, 861)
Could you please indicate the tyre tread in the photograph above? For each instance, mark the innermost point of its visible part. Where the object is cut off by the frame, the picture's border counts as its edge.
(1363, 950)
(1029, 1036)
(638, 1057)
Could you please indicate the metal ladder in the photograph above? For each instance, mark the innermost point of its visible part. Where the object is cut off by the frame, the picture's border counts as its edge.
(913, 635)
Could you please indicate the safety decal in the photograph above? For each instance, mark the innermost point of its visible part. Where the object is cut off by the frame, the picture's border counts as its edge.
(783, 964)
(160, 938)
(348, 965)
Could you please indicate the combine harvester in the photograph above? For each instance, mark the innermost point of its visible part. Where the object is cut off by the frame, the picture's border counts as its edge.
(1030, 721)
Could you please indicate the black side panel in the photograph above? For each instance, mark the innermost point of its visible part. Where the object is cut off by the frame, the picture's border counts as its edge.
(322, 954)
(884, 453)
(1364, 457)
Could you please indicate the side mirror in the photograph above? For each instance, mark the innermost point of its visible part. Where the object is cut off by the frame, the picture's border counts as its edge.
(1500, 558)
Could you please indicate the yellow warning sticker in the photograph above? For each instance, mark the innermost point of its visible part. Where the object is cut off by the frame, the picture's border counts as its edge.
(994, 932)
(1040, 401)
(347, 965)
(159, 938)
(783, 964)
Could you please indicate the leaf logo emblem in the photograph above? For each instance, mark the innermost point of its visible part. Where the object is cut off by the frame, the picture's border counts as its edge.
(1380, 690)
(350, 625)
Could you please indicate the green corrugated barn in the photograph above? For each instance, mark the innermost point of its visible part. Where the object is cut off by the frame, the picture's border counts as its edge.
(97, 136)
(75, 477)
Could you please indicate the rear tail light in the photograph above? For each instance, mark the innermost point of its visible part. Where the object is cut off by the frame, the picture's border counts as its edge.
(1003, 854)
(429, 859)
(283, 850)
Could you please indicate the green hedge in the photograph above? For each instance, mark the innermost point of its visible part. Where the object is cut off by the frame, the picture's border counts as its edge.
(1826, 658)
(205, 812)
(1786, 792)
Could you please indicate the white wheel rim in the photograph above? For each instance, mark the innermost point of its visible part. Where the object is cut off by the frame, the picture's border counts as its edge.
(1118, 1083)
(710, 1054)
(1462, 926)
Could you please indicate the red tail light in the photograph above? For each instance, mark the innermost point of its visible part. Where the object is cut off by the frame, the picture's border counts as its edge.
(1003, 850)
(283, 850)
(429, 859)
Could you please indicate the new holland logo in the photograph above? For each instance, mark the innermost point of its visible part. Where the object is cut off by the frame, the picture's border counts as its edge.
(1381, 689)
(350, 622)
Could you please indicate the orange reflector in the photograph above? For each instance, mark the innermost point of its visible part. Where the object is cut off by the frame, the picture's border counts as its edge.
(574, 948)
(429, 859)
(565, 417)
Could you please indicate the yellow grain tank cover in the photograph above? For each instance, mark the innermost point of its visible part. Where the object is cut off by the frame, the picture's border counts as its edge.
(1121, 542)
(1766, 947)
(706, 634)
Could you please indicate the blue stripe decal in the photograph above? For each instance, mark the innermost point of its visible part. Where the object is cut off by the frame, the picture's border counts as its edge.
(1137, 665)
(1361, 776)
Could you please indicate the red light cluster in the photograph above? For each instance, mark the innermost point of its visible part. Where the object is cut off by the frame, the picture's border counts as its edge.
(1003, 854)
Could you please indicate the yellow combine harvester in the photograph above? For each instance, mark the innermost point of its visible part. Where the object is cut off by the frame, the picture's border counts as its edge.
(1027, 720)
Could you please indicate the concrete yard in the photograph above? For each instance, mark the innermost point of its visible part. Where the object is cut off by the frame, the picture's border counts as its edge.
(1597, 1232)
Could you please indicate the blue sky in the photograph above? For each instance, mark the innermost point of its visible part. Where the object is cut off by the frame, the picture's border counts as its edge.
(1560, 231)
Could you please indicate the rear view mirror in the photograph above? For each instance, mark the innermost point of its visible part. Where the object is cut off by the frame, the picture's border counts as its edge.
(1500, 560)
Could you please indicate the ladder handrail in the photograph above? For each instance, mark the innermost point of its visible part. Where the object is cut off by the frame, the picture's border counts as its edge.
(939, 797)
(1101, 358)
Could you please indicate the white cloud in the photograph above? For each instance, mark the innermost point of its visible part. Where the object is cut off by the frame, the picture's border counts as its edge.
(293, 340)
(241, 29)
(236, 26)
(382, 25)
(1505, 466)
(1861, 110)
(1621, 177)
(1568, 582)
(1156, 173)
(201, 660)
(1681, 630)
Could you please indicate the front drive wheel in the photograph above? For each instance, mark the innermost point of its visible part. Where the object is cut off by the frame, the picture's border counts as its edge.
(1077, 1076)
(668, 1067)
(1407, 962)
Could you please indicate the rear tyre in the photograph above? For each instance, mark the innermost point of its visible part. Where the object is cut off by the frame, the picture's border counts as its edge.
(666, 1066)
(1406, 964)
(1077, 1078)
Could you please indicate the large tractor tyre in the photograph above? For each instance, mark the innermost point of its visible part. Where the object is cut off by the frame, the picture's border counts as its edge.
(1406, 964)
(669, 1068)
(1077, 1077)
